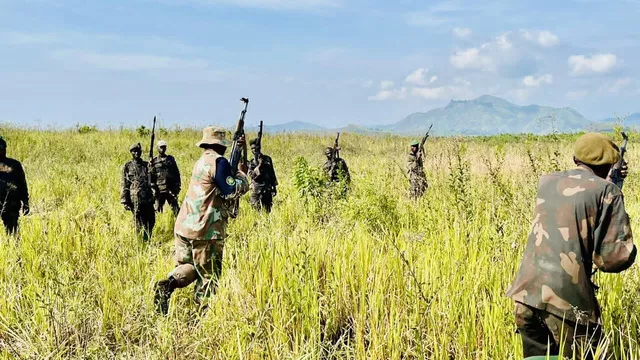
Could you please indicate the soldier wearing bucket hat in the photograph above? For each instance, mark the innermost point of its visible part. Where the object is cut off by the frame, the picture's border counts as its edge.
(166, 177)
(200, 228)
(580, 225)
(415, 170)
(13, 190)
(137, 192)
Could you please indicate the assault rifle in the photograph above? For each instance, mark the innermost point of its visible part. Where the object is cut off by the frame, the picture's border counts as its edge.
(238, 153)
(153, 139)
(424, 140)
(616, 170)
(259, 140)
(336, 148)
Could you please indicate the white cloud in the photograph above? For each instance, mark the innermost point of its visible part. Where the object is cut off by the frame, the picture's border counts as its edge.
(619, 84)
(503, 41)
(429, 93)
(471, 59)
(576, 95)
(543, 38)
(433, 79)
(393, 94)
(598, 63)
(462, 33)
(461, 81)
(367, 84)
(417, 77)
(128, 61)
(386, 84)
(533, 81)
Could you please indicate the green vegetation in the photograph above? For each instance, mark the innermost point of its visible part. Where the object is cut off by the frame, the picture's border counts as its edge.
(373, 275)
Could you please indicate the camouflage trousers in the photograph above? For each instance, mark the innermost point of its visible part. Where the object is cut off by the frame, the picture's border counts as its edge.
(10, 221)
(199, 261)
(169, 198)
(417, 186)
(544, 333)
(145, 218)
(261, 199)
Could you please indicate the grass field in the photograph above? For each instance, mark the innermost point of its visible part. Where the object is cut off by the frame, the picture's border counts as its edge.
(372, 276)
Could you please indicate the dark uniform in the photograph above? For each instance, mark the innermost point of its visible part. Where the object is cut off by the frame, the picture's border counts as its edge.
(14, 194)
(580, 224)
(264, 182)
(417, 178)
(336, 168)
(137, 194)
(166, 176)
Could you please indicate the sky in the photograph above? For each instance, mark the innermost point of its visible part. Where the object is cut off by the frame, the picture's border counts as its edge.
(329, 62)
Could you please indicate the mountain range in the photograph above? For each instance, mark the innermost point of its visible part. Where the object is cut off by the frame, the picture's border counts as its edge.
(485, 115)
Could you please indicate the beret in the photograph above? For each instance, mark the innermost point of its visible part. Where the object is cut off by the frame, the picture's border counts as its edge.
(596, 149)
(415, 143)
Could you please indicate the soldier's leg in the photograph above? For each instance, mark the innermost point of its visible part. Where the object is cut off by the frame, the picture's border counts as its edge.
(173, 202)
(536, 338)
(183, 274)
(149, 221)
(254, 200)
(267, 201)
(162, 198)
(581, 340)
(10, 220)
(207, 257)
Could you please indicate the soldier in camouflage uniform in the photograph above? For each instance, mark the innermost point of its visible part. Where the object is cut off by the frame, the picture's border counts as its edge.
(200, 228)
(166, 177)
(335, 168)
(415, 170)
(137, 192)
(14, 194)
(580, 225)
(263, 178)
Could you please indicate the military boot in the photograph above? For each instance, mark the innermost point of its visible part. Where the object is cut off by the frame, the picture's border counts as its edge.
(163, 289)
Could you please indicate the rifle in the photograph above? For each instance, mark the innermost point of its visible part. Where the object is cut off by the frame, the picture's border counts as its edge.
(616, 170)
(238, 153)
(424, 140)
(259, 140)
(153, 138)
(336, 148)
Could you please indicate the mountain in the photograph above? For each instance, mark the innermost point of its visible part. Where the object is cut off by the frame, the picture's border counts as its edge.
(293, 126)
(631, 120)
(490, 115)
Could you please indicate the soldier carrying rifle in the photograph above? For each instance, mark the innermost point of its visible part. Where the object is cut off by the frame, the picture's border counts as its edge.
(263, 177)
(335, 167)
(415, 169)
(166, 177)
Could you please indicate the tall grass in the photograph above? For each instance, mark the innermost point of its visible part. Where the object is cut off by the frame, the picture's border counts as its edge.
(373, 275)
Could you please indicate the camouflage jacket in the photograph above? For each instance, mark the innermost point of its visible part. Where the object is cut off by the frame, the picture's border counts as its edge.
(263, 176)
(415, 168)
(580, 224)
(13, 185)
(165, 174)
(333, 168)
(205, 210)
(136, 185)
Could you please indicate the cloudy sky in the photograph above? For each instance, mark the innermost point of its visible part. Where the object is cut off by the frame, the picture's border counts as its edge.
(329, 62)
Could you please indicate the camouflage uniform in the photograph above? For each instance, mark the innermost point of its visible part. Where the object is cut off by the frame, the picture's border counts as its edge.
(14, 194)
(336, 167)
(137, 194)
(263, 182)
(580, 224)
(417, 178)
(200, 228)
(166, 176)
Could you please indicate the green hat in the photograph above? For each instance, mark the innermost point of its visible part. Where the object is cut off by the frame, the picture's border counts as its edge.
(596, 149)
(135, 147)
(415, 143)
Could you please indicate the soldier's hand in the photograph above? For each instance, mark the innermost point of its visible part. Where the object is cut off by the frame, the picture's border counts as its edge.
(242, 140)
(25, 209)
(624, 170)
(274, 192)
(127, 207)
(243, 168)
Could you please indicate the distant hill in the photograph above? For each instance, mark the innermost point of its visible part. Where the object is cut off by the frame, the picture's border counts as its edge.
(490, 115)
(293, 126)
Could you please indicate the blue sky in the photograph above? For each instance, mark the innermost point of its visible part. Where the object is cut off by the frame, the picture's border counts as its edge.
(329, 62)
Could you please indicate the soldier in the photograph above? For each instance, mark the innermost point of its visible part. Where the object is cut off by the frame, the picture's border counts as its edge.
(415, 170)
(335, 167)
(166, 177)
(263, 178)
(580, 224)
(14, 194)
(137, 194)
(200, 228)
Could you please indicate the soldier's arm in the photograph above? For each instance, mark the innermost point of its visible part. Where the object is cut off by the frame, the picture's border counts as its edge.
(176, 174)
(126, 183)
(23, 191)
(614, 250)
(345, 169)
(273, 172)
(230, 185)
